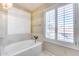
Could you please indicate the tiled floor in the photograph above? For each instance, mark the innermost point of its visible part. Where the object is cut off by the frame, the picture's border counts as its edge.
(46, 53)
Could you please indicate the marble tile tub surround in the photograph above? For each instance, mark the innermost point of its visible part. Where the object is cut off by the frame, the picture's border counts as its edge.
(58, 50)
(16, 37)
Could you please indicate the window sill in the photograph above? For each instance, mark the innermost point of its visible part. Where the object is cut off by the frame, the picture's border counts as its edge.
(64, 44)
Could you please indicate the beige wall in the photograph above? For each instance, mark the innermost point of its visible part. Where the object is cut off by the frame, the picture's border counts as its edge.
(38, 20)
(38, 28)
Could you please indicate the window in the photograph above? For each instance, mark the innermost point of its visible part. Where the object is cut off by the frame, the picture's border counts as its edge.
(50, 24)
(64, 23)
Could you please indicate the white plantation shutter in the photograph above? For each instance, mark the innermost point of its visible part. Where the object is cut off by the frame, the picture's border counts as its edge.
(50, 24)
(63, 18)
(65, 23)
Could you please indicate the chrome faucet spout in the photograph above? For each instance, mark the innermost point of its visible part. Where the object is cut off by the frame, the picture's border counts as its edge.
(35, 37)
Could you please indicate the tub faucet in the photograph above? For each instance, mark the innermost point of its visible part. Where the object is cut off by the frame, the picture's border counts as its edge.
(35, 37)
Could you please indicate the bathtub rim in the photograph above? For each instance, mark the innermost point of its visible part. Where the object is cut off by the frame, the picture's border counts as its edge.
(26, 49)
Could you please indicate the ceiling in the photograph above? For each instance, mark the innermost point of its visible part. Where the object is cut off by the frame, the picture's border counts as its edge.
(29, 6)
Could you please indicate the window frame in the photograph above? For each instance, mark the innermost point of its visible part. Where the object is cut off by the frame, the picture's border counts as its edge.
(62, 43)
(64, 28)
(45, 25)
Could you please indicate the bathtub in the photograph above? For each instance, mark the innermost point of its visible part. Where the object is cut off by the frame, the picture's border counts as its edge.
(23, 48)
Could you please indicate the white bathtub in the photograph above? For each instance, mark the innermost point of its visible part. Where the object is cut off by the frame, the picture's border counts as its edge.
(23, 48)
